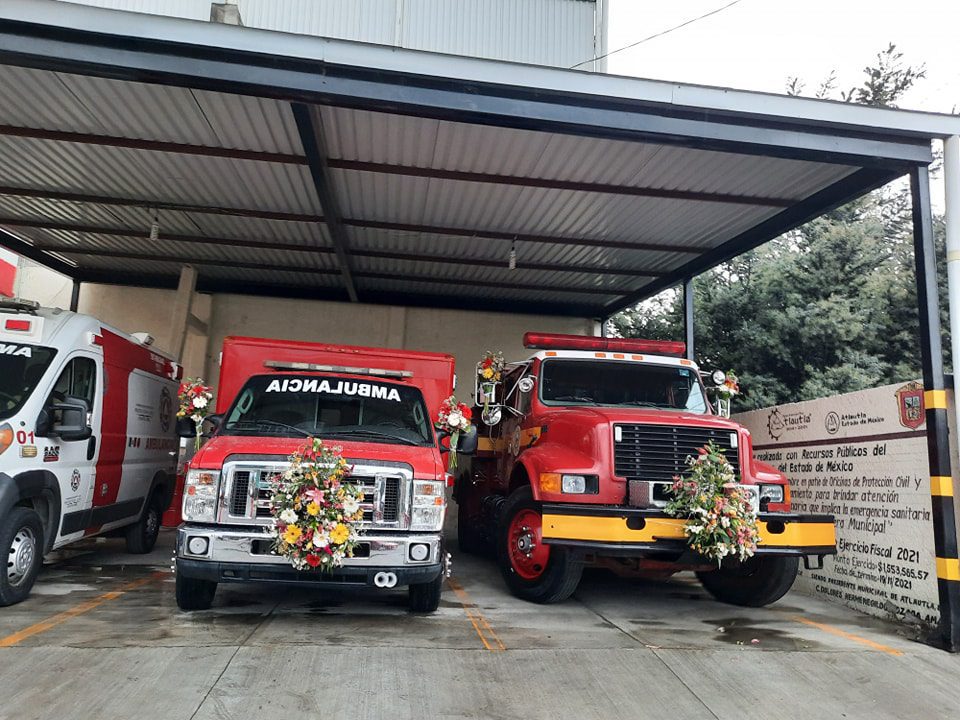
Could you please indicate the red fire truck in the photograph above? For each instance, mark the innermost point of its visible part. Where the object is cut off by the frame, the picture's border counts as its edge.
(575, 464)
(378, 406)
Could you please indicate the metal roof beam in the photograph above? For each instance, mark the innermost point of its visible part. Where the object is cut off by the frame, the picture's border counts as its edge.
(352, 222)
(310, 127)
(287, 247)
(521, 181)
(43, 194)
(841, 192)
(15, 244)
(461, 302)
(213, 262)
(152, 145)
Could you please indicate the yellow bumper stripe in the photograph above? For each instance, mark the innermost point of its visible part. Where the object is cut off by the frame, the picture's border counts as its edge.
(941, 485)
(614, 529)
(948, 568)
(935, 399)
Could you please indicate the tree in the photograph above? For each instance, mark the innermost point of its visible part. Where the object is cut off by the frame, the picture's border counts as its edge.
(825, 309)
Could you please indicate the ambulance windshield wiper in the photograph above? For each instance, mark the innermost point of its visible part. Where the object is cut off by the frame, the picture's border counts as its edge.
(253, 424)
(366, 432)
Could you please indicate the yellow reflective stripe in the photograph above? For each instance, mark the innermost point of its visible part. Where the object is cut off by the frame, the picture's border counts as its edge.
(948, 568)
(529, 436)
(941, 485)
(486, 444)
(614, 529)
(935, 399)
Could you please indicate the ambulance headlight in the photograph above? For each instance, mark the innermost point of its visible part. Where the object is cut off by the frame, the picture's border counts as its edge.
(429, 505)
(200, 495)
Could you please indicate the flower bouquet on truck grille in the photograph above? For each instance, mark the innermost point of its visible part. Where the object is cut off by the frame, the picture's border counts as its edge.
(317, 511)
(720, 520)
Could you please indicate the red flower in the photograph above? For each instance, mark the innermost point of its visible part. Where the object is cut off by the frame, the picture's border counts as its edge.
(313, 560)
(467, 412)
(488, 362)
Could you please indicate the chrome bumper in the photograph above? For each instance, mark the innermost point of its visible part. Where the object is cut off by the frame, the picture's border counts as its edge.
(251, 546)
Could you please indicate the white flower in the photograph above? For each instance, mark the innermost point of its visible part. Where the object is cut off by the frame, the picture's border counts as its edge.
(320, 540)
(288, 517)
(200, 402)
(350, 505)
(455, 418)
(464, 423)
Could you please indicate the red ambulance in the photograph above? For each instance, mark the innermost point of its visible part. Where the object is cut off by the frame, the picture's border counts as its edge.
(378, 405)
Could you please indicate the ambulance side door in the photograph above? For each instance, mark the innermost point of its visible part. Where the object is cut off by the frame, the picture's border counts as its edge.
(74, 462)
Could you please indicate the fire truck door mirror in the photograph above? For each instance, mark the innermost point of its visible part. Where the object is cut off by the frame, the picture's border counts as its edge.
(70, 419)
(525, 384)
(491, 415)
(719, 377)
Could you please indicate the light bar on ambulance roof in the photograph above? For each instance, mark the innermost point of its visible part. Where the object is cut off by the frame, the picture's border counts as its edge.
(283, 365)
(553, 341)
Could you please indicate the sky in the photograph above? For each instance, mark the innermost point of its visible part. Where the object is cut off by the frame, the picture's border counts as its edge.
(759, 44)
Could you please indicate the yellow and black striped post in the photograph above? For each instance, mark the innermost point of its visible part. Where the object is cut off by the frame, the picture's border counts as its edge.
(935, 400)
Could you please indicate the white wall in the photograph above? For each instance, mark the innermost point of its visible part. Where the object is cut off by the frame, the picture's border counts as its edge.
(559, 33)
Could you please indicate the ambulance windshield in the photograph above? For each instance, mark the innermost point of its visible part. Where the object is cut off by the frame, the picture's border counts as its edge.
(621, 384)
(330, 407)
(21, 367)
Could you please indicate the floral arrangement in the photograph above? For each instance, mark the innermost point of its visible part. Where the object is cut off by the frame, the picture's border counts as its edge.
(720, 520)
(454, 417)
(730, 387)
(195, 397)
(316, 513)
(490, 368)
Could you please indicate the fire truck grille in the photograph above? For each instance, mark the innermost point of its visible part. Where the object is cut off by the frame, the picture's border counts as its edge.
(659, 452)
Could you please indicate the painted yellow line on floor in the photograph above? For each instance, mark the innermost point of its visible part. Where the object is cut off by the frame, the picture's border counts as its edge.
(848, 636)
(80, 609)
(486, 633)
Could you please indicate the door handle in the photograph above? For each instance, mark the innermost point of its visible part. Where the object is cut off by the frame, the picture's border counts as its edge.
(91, 447)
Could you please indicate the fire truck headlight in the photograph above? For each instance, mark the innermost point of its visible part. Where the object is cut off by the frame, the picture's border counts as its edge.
(573, 484)
(200, 495)
(771, 494)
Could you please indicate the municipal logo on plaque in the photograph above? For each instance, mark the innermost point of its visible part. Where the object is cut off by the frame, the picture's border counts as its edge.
(910, 405)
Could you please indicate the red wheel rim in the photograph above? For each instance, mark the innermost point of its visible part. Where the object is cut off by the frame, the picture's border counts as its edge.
(528, 554)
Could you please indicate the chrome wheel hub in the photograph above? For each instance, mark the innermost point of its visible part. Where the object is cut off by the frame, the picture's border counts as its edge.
(525, 543)
(22, 553)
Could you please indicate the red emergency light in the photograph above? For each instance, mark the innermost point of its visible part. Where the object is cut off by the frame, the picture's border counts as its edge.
(553, 341)
(17, 325)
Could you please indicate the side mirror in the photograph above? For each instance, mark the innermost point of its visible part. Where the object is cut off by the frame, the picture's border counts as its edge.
(525, 384)
(719, 377)
(214, 424)
(186, 428)
(70, 419)
(467, 442)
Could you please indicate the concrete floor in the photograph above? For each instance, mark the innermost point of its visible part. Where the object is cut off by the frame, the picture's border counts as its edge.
(101, 638)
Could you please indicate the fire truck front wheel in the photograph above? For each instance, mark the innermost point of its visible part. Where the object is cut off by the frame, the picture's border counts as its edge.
(21, 545)
(533, 570)
(757, 582)
(194, 593)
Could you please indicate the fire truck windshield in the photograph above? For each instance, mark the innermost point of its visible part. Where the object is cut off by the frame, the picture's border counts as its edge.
(630, 384)
(334, 407)
(21, 367)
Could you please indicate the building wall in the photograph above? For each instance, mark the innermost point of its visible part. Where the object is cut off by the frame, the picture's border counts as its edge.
(559, 33)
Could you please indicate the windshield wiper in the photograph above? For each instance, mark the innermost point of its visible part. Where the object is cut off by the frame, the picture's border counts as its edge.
(365, 432)
(574, 398)
(259, 423)
(643, 403)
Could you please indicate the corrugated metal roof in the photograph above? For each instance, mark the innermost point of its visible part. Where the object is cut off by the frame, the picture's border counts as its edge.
(430, 209)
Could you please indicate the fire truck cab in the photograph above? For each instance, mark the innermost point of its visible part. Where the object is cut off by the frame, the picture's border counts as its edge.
(577, 455)
(378, 406)
(87, 437)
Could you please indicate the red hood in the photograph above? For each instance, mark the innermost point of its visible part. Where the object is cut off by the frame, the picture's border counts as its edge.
(424, 460)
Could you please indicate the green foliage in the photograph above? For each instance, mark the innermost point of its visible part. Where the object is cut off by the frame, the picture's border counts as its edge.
(826, 309)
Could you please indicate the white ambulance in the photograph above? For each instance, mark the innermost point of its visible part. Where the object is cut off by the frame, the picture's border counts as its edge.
(87, 437)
